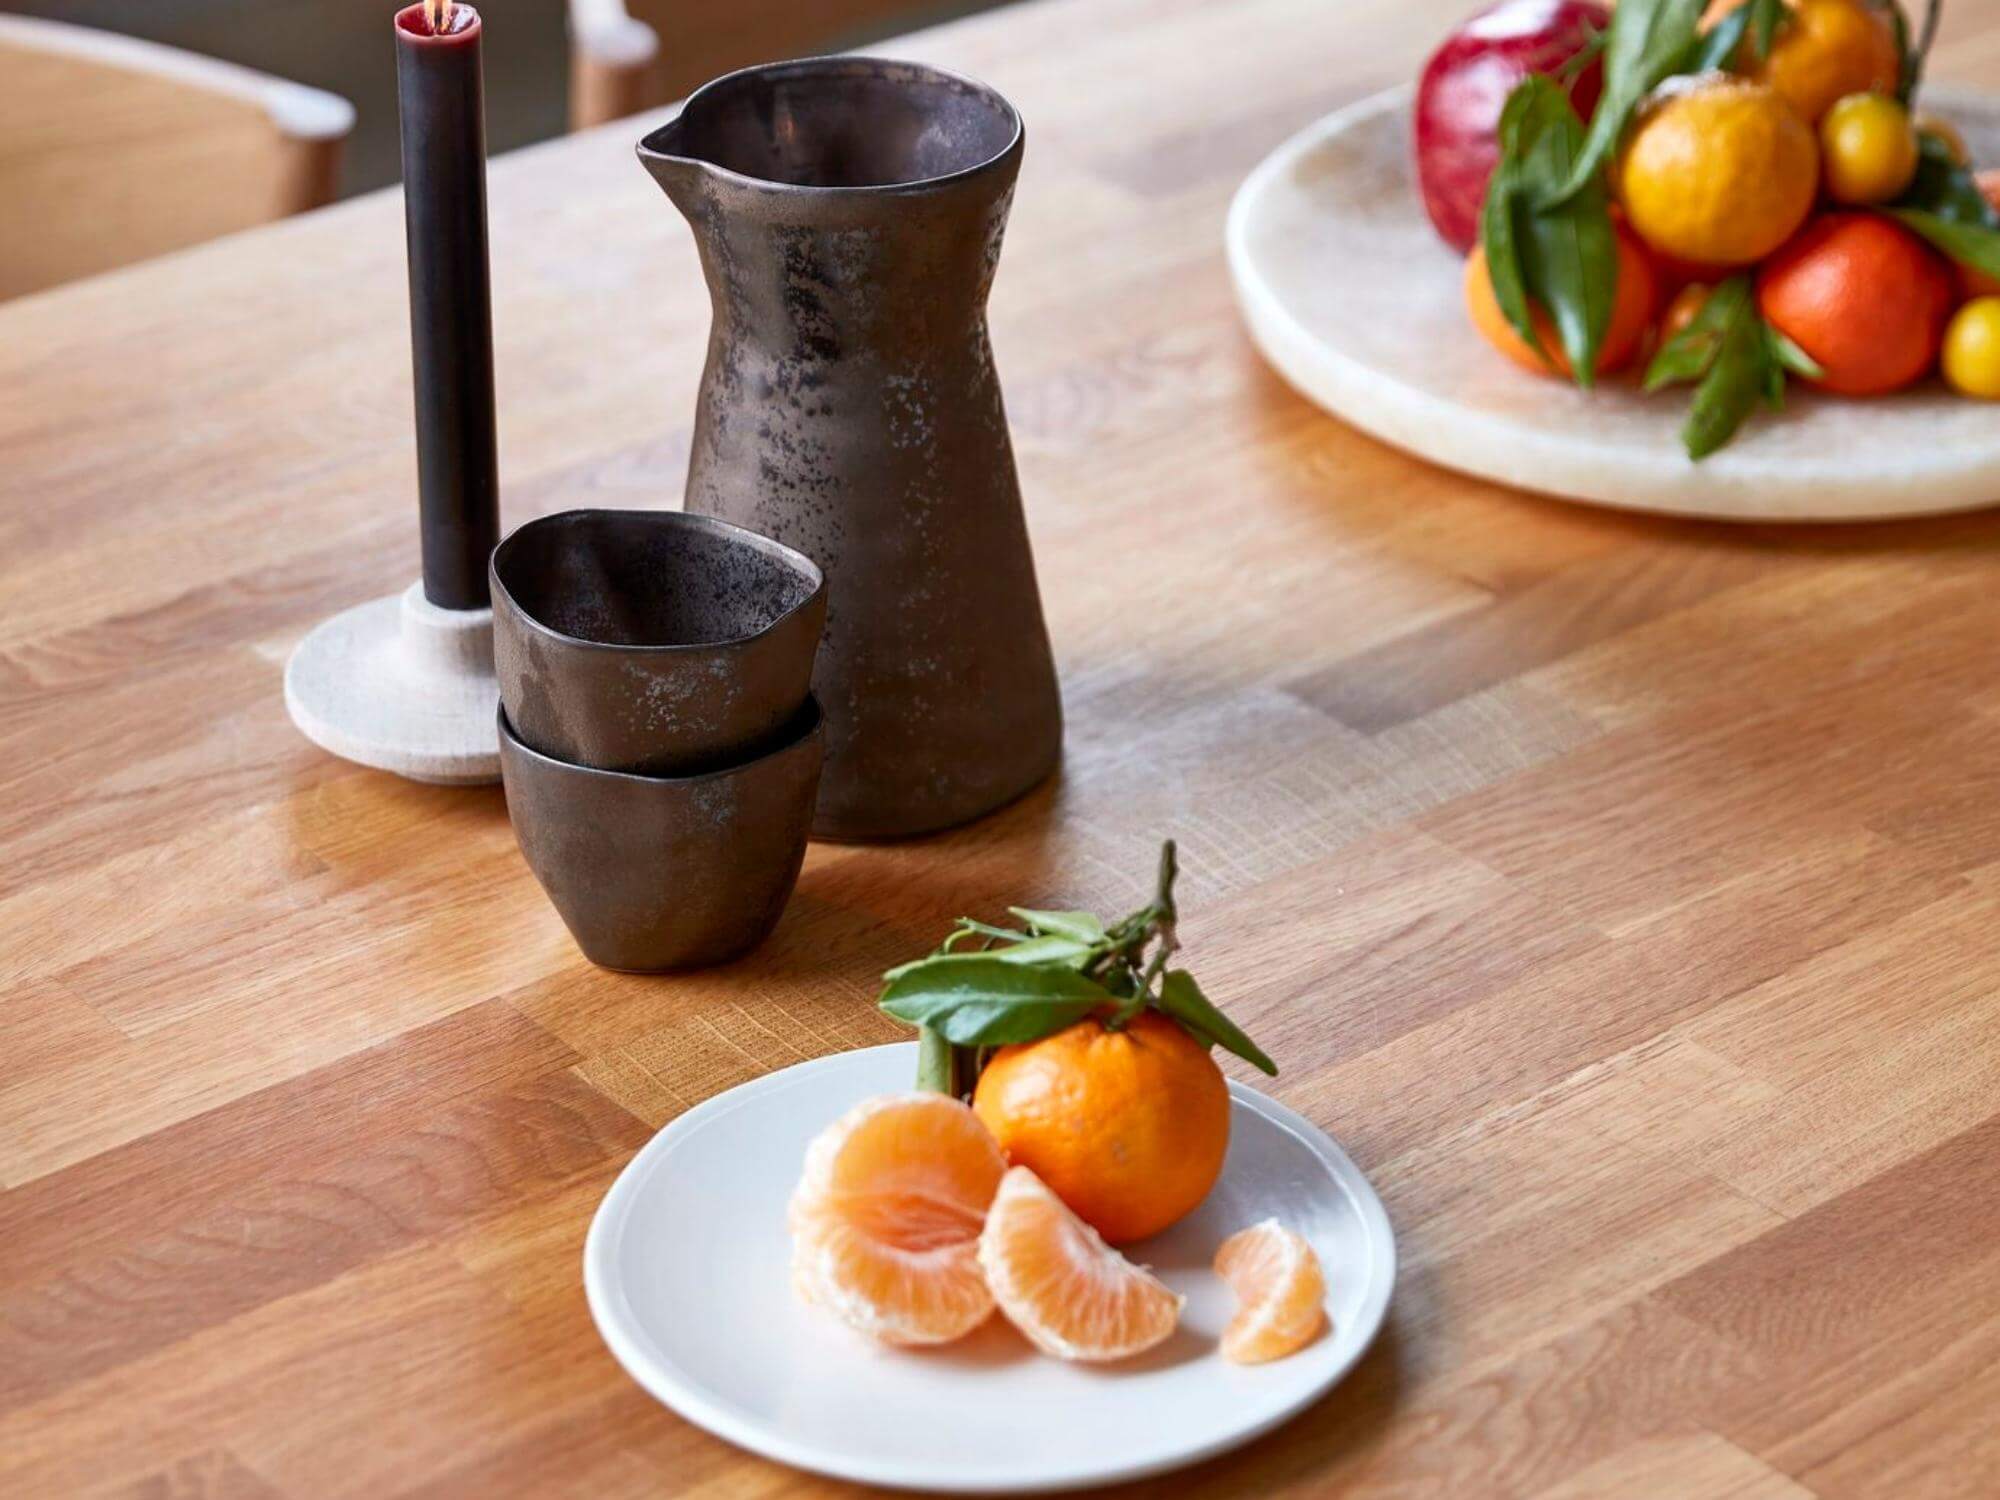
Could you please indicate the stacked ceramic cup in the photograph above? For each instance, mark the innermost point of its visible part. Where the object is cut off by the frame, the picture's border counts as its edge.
(659, 741)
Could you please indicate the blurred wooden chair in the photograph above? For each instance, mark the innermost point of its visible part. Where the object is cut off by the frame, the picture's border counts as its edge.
(629, 55)
(114, 149)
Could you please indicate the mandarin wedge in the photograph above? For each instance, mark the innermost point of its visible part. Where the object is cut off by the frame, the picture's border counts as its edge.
(1057, 1281)
(1280, 1293)
(885, 1221)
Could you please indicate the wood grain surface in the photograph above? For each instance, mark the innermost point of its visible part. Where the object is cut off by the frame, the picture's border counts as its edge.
(1624, 894)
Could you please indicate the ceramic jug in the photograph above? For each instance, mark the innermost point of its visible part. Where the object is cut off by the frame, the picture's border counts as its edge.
(849, 213)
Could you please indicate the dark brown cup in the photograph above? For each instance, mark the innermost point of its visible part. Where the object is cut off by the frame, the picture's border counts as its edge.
(655, 642)
(666, 872)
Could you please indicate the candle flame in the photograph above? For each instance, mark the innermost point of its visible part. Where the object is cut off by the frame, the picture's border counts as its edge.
(438, 15)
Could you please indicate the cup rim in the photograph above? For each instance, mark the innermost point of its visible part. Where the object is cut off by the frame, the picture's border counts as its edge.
(790, 557)
(809, 713)
(852, 62)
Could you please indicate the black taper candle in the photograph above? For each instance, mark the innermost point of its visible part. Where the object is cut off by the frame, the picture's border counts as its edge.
(441, 99)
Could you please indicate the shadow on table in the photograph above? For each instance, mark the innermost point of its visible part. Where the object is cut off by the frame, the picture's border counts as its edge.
(1326, 1439)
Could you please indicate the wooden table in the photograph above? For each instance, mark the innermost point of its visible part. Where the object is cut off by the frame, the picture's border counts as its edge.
(1625, 895)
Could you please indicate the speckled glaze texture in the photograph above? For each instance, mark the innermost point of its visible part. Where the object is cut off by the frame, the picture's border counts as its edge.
(849, 213)
(651, 873)
(652, 641)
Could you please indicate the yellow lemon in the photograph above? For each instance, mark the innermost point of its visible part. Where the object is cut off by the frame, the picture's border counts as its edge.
(1972, 349)
(1718, 171)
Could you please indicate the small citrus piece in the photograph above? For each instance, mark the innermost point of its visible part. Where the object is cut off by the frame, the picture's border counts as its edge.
(1868, 149)
(1280, 1293)
(1684, 309)
(1631, 311)
(1827, 48)
(1717, 171)
(1071, 1294)
(1972, 349)
(885, 1220)
(1865, 298)
(1128, 1126)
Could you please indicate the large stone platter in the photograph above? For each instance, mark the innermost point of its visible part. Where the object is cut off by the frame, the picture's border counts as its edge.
(1351, 296)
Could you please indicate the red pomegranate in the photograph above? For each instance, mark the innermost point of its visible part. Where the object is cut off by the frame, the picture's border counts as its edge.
(1466, 83)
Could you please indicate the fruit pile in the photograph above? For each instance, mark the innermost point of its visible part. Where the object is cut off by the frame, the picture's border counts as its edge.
(1097, 1118)
(1737, 192)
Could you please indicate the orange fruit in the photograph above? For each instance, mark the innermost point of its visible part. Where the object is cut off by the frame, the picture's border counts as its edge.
(1973, 283)
(1128, 1126)
(1863, 296)
(1717, 171)
(1058, 1282)
(1828, 48)
(1280, 1293)
(885, 1220)
(1631, 313)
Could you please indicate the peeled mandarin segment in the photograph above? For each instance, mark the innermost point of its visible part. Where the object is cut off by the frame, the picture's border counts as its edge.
(1057, 1281)
(918, 1145)
(1280, 1293)
(885, 1220)
(887, 1291)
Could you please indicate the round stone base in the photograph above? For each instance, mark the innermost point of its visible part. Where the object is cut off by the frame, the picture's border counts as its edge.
(404, 686)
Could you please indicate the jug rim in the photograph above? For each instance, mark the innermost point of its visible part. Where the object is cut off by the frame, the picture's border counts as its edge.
(527, 533)
(833, 62)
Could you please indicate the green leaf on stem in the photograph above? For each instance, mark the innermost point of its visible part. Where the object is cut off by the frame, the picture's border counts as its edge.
(1737, 359)
(1723, 46)
(1648, 41)
(1560, 255)
(1969, 244)
(1034, 950)
(980, 1000)
(1181, 998)
(1080, 926)
(1944, 204)
(1946, 187)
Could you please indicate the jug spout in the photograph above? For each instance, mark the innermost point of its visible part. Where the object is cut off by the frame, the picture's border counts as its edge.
(664, 155)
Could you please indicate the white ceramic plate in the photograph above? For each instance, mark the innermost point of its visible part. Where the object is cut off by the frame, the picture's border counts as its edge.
(687, 1272)
(1351, 295)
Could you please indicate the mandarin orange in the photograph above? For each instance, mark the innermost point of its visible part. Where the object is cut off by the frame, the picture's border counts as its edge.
(1128, 1126)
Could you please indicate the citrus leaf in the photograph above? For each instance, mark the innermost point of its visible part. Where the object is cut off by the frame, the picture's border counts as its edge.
(1971, 245)
(1648, 40)
(1181, 998)
(1945, 186)
(1745, 371)
(979, 1000)
(1690, 352)
(1793, 358)
(1562, 256)
(1496, 228)
(1083, 926)
(1034, 950)
(1722, 46)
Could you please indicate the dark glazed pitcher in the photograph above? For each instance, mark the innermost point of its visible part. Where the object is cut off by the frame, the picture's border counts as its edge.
(849, 213)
